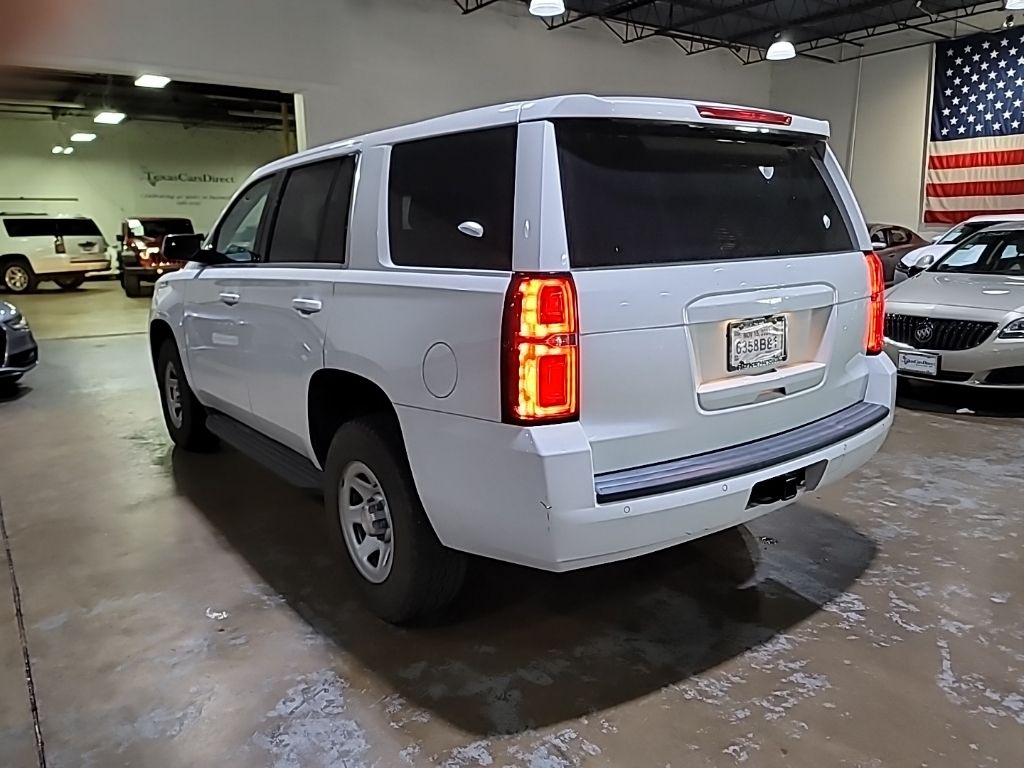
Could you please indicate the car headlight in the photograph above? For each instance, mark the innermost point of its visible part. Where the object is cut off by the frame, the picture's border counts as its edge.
(1015, 330)
(18, 322)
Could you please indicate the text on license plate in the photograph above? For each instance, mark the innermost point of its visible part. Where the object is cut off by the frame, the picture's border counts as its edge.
(918, 362)
(757, 343)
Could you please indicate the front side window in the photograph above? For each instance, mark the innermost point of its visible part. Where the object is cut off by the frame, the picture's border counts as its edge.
(450, 200)
(641, 192)
(899, 236)
(999, 252)
(300, 214)
(236, 236)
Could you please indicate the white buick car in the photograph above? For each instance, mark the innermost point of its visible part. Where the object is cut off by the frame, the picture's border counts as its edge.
(962, 319)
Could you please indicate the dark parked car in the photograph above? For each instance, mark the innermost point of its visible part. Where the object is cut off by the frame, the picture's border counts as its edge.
(140, 258)
(18, 350)
(892, 243)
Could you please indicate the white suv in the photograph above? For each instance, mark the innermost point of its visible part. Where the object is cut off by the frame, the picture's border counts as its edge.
(35, 247)
(558, 333)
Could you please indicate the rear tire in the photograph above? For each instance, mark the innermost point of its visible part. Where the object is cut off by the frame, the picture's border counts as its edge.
(132, 287)
(184, 415)
(17, 276)
(70, 283)
(414, 574)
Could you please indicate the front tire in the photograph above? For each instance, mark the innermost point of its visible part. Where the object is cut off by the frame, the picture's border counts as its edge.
(70, 283)
(375, 516)
(184, 415)
(17, 276)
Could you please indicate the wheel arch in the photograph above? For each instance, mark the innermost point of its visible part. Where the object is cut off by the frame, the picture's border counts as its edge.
(337, 396)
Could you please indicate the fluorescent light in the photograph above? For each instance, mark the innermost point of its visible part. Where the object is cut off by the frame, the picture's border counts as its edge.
(57, 150)
(152, 81)
(83, 136)
(1015, 5)
(109, 118)
(547, 7)
(68, 150)
(781, 50)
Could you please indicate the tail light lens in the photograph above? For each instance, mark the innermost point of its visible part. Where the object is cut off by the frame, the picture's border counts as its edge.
(875, 342)
(541, 363)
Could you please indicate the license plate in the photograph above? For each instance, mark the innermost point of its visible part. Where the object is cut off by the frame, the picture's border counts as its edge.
(757, 343)
(920, 363)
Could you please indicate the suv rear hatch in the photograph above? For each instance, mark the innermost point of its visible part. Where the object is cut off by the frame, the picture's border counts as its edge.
(722, 297)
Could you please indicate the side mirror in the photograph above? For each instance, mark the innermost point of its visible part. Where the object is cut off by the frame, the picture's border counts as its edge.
(184, 248)
(921, 265)
(878, 245)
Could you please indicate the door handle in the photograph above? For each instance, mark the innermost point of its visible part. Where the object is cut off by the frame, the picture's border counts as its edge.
(307, 306)
(230, 298)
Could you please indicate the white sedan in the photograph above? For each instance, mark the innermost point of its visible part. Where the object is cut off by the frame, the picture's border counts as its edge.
(929, 254)
(962, 319)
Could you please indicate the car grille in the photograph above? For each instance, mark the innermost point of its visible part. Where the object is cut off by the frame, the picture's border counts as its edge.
(937, 334)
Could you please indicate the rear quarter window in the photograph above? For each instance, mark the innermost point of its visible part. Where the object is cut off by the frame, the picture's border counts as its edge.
(435, 185)
(643, 193)
(31, 227)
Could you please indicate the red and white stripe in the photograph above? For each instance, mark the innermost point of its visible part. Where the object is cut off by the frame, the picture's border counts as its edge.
(970, 177)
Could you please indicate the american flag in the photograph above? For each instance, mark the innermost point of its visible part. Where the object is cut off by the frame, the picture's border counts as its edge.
(976, 148)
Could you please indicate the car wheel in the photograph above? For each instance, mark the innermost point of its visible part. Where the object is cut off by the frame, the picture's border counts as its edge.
(375, 515)
(132, 288)
(17, 276)
(183, 413)
(70, 283)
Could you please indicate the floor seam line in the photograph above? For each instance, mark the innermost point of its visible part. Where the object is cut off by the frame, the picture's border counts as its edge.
(23, 637)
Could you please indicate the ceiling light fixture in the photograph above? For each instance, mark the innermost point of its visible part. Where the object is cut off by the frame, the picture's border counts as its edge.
(83, 137)
(57, 150)
(547, 8)
(780, 50)
(152, 81)
(109, 118)
(68, 150)
(1015, 5)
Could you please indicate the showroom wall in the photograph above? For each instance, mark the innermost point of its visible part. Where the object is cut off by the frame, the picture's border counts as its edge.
(364, 64)
(878, 107)
(134, 169)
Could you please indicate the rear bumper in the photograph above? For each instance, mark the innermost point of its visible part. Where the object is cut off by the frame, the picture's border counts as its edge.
(530, 496)
(19, 353)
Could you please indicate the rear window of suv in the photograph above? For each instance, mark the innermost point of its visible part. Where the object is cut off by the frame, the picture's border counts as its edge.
(642, 193)
(47, 227)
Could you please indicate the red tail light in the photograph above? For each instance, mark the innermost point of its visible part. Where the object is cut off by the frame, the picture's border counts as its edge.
(745, 115)
(875, 342)
(541, 363)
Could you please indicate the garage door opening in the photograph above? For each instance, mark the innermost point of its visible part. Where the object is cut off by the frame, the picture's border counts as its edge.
(95, 169)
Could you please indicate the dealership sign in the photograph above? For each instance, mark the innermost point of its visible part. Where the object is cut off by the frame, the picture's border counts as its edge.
(187, 178)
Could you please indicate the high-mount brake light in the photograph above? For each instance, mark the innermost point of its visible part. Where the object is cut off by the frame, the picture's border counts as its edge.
(745, 115)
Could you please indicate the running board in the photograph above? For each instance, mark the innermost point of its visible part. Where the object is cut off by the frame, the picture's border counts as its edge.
(279, 459)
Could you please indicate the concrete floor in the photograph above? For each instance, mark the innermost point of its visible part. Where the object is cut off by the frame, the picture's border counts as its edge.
(184, 610)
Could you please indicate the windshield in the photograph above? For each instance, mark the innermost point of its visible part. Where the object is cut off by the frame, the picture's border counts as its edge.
(997, 253)
(961, 232)
(638, 193)
(157, 228)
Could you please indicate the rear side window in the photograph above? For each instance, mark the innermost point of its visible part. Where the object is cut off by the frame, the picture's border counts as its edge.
(450, 200)
(643, 193)
(300, 214)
